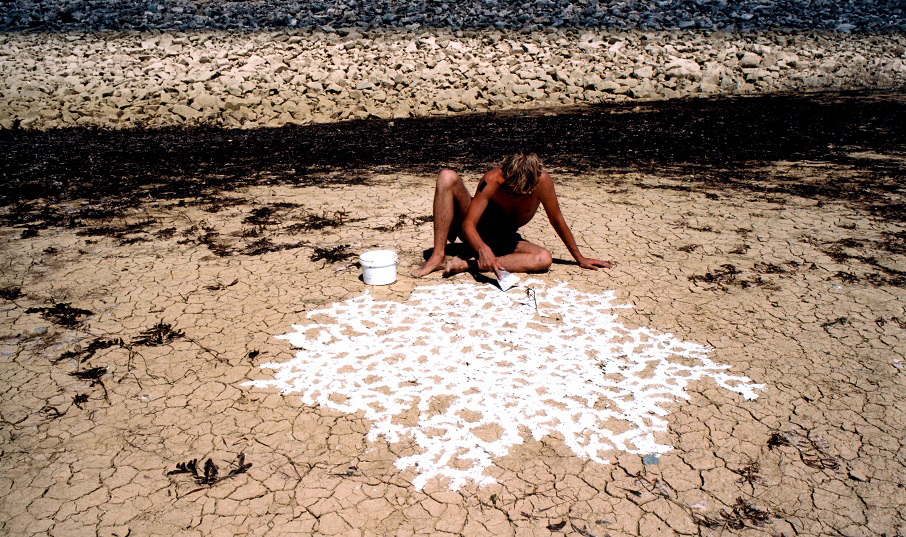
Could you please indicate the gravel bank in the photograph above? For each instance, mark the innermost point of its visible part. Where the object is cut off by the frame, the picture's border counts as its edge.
(273, 78)
(862, 16)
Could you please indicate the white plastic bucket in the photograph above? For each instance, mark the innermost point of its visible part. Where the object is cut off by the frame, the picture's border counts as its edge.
(378, 267)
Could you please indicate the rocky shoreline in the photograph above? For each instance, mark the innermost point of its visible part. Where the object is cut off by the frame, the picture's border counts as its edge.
(274, 78)
(859, 16)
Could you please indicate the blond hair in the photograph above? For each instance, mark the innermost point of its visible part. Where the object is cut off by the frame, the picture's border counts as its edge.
(521, 172)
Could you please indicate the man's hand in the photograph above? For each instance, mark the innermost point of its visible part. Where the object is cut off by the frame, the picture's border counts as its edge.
(593, 264)
(488, 261)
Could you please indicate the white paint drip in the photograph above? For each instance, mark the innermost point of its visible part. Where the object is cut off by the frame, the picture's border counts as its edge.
(464, 370)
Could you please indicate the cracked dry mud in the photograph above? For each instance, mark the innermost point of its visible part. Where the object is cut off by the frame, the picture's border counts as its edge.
(801, 293)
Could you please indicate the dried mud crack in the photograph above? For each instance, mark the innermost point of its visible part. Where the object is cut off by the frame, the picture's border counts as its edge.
(145, 275)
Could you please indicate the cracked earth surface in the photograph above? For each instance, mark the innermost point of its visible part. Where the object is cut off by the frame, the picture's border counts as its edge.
(803, 296)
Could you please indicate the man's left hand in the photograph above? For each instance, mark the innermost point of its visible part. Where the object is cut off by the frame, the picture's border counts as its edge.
(593, 264)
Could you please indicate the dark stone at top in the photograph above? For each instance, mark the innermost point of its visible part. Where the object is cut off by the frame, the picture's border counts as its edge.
(857, 16)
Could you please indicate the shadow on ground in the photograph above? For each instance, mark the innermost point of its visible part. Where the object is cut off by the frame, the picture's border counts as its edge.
(708, 145)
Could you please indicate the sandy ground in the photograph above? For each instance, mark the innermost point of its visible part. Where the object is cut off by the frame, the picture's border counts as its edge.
(800, 295)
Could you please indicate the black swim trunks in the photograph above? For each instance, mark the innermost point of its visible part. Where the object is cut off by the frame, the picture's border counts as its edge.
(497, 230)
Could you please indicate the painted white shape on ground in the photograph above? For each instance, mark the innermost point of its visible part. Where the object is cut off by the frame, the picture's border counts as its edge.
(464, 370)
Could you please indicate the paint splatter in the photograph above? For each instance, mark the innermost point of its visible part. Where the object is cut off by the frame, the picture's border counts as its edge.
(465, 370)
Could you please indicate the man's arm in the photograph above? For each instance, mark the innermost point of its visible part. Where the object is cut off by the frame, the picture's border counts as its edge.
(555, 216)
(486, 188)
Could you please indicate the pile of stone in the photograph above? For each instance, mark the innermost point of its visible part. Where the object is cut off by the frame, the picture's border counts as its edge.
(254, 79)
(861, 16)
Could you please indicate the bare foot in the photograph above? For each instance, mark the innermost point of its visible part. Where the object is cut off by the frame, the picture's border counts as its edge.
(433, 263)
(454, 266)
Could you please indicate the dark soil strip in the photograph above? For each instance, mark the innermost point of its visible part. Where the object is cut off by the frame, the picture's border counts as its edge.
(706, 142)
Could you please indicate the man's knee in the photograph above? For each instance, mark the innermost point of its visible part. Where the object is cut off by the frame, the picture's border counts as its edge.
(447, 178)
(543, 259)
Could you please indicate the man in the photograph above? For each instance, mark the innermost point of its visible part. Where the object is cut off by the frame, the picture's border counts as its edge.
(505, 200)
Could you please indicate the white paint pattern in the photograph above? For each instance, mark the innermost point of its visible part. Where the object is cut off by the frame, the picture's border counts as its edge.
(465, 370)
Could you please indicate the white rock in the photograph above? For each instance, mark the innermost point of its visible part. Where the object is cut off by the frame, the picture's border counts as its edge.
(337, 76)
(750, 59)
(709, 87)
(207, 102)
(683, 68)
(644, 72)
(232, 103)
(401, 110)
(185, 112)
(608, 86)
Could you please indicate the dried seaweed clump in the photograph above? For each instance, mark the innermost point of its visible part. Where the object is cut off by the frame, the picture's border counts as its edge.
(210, 473)
(83, 355)
(211, 239)
(261, 216)
(749, 474)
(812, 452)
(207, 236)
(29, 232)
(93, 374)
(314, 222)
(706, 229)
(769, 268)
(265, 245)
(400, 222)
(846, 277)
(160, 334)
(333, 255)
(62, 314)
(215, 204)
(743, 513)
(404, 219)
(898, 278)
(827, 324)
(725, 275)
(267, 215)
(221, 286)
(120, 232)
(10, 293)
(166, 233)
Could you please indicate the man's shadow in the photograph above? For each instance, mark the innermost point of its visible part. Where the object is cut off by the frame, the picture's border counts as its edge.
(463, 251)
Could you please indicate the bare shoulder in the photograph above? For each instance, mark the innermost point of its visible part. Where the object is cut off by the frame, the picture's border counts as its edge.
(545, 182)
(494, 176)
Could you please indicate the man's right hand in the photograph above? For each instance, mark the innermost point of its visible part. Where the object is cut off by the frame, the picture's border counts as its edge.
(488, 261)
